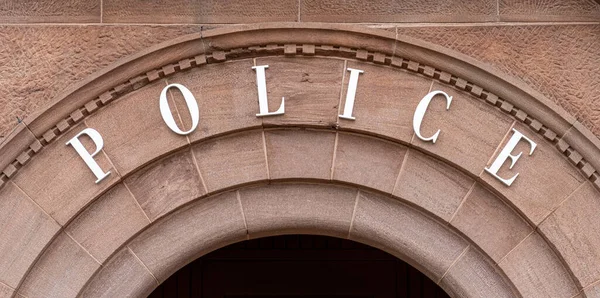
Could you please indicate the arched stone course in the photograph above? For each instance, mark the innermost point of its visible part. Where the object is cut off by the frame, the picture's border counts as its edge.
(593, 291)
(111, 219)
(538, 234)
(524, 264)
(25, 230)
(571, 229)
(308, 208)
(96, 227)
(483, 214)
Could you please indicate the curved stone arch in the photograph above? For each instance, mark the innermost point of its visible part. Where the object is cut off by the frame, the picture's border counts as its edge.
(376, 46)
(112, 207)
(74, 108)
(297, 208)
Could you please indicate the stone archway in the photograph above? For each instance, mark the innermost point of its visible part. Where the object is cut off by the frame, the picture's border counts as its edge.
(65, 234)
(291, 208)
(298, 265)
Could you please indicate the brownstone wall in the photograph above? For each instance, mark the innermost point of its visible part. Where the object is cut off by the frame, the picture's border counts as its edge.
(553, 45)
(170, 198)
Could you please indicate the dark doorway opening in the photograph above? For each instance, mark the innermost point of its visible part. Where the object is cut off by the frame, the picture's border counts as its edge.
(298, 266)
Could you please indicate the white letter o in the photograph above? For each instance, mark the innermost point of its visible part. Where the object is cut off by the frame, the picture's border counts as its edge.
(192, 105)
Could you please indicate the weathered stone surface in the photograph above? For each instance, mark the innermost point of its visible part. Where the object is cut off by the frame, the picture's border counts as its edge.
(593, 291)
(560, 61)
(549, 10)
(134, 135)
(491, 223)
(24, 232)
(5, 291)
(401, 230)
(190, 232)
(298, 209)
(476, 276)
(223, 164)
(470, 130)
(396, 11)
(37, 62)
(498, 51)
(107, 223)
(536, 271)
(180, 11)
(226, 94)
(49, 11)
(310, 86)
(556, 60)
(166, 184)
(545, 178)
(60, 181)
(367, 161)
(574, 229)
(61, 271)
(432, 184)
(125, 275)
(385, 100)
(299, 153)
(17, 141)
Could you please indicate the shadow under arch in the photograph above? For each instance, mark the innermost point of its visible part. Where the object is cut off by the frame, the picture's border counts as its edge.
(298, 265)
(327, 209)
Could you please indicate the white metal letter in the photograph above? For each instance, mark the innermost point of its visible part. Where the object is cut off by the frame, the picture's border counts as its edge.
(85, 155)
(420, 113)
(505, 154)
(352, 84)
(165, 110)
(263, 102)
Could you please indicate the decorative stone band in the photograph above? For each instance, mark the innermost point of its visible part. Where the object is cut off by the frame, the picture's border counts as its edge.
(292, 50)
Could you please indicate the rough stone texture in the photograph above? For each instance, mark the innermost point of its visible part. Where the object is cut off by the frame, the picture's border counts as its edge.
(61, 271)
(223, 164)
(432, 184)
(489, 222)
(401, 230)
(549, 10)
(107, 223)
(60, 181)
(50, 11)
(298, 209)
(560, 61)
(593, 291)
(17, 141)
(24, 232)
(299, 153)
(190, 232)
(125, 275)
(311, 87)
(536, 271)
(5, 291)
(545, 178)
(574, 229)
(385, 100)
(396, 11)
(166, 184)
(367, 161)
(477, 277)
(37, 62)
(212, 11)
(557, 60)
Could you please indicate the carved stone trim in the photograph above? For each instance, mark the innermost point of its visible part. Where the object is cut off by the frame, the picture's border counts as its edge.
(292, 50)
